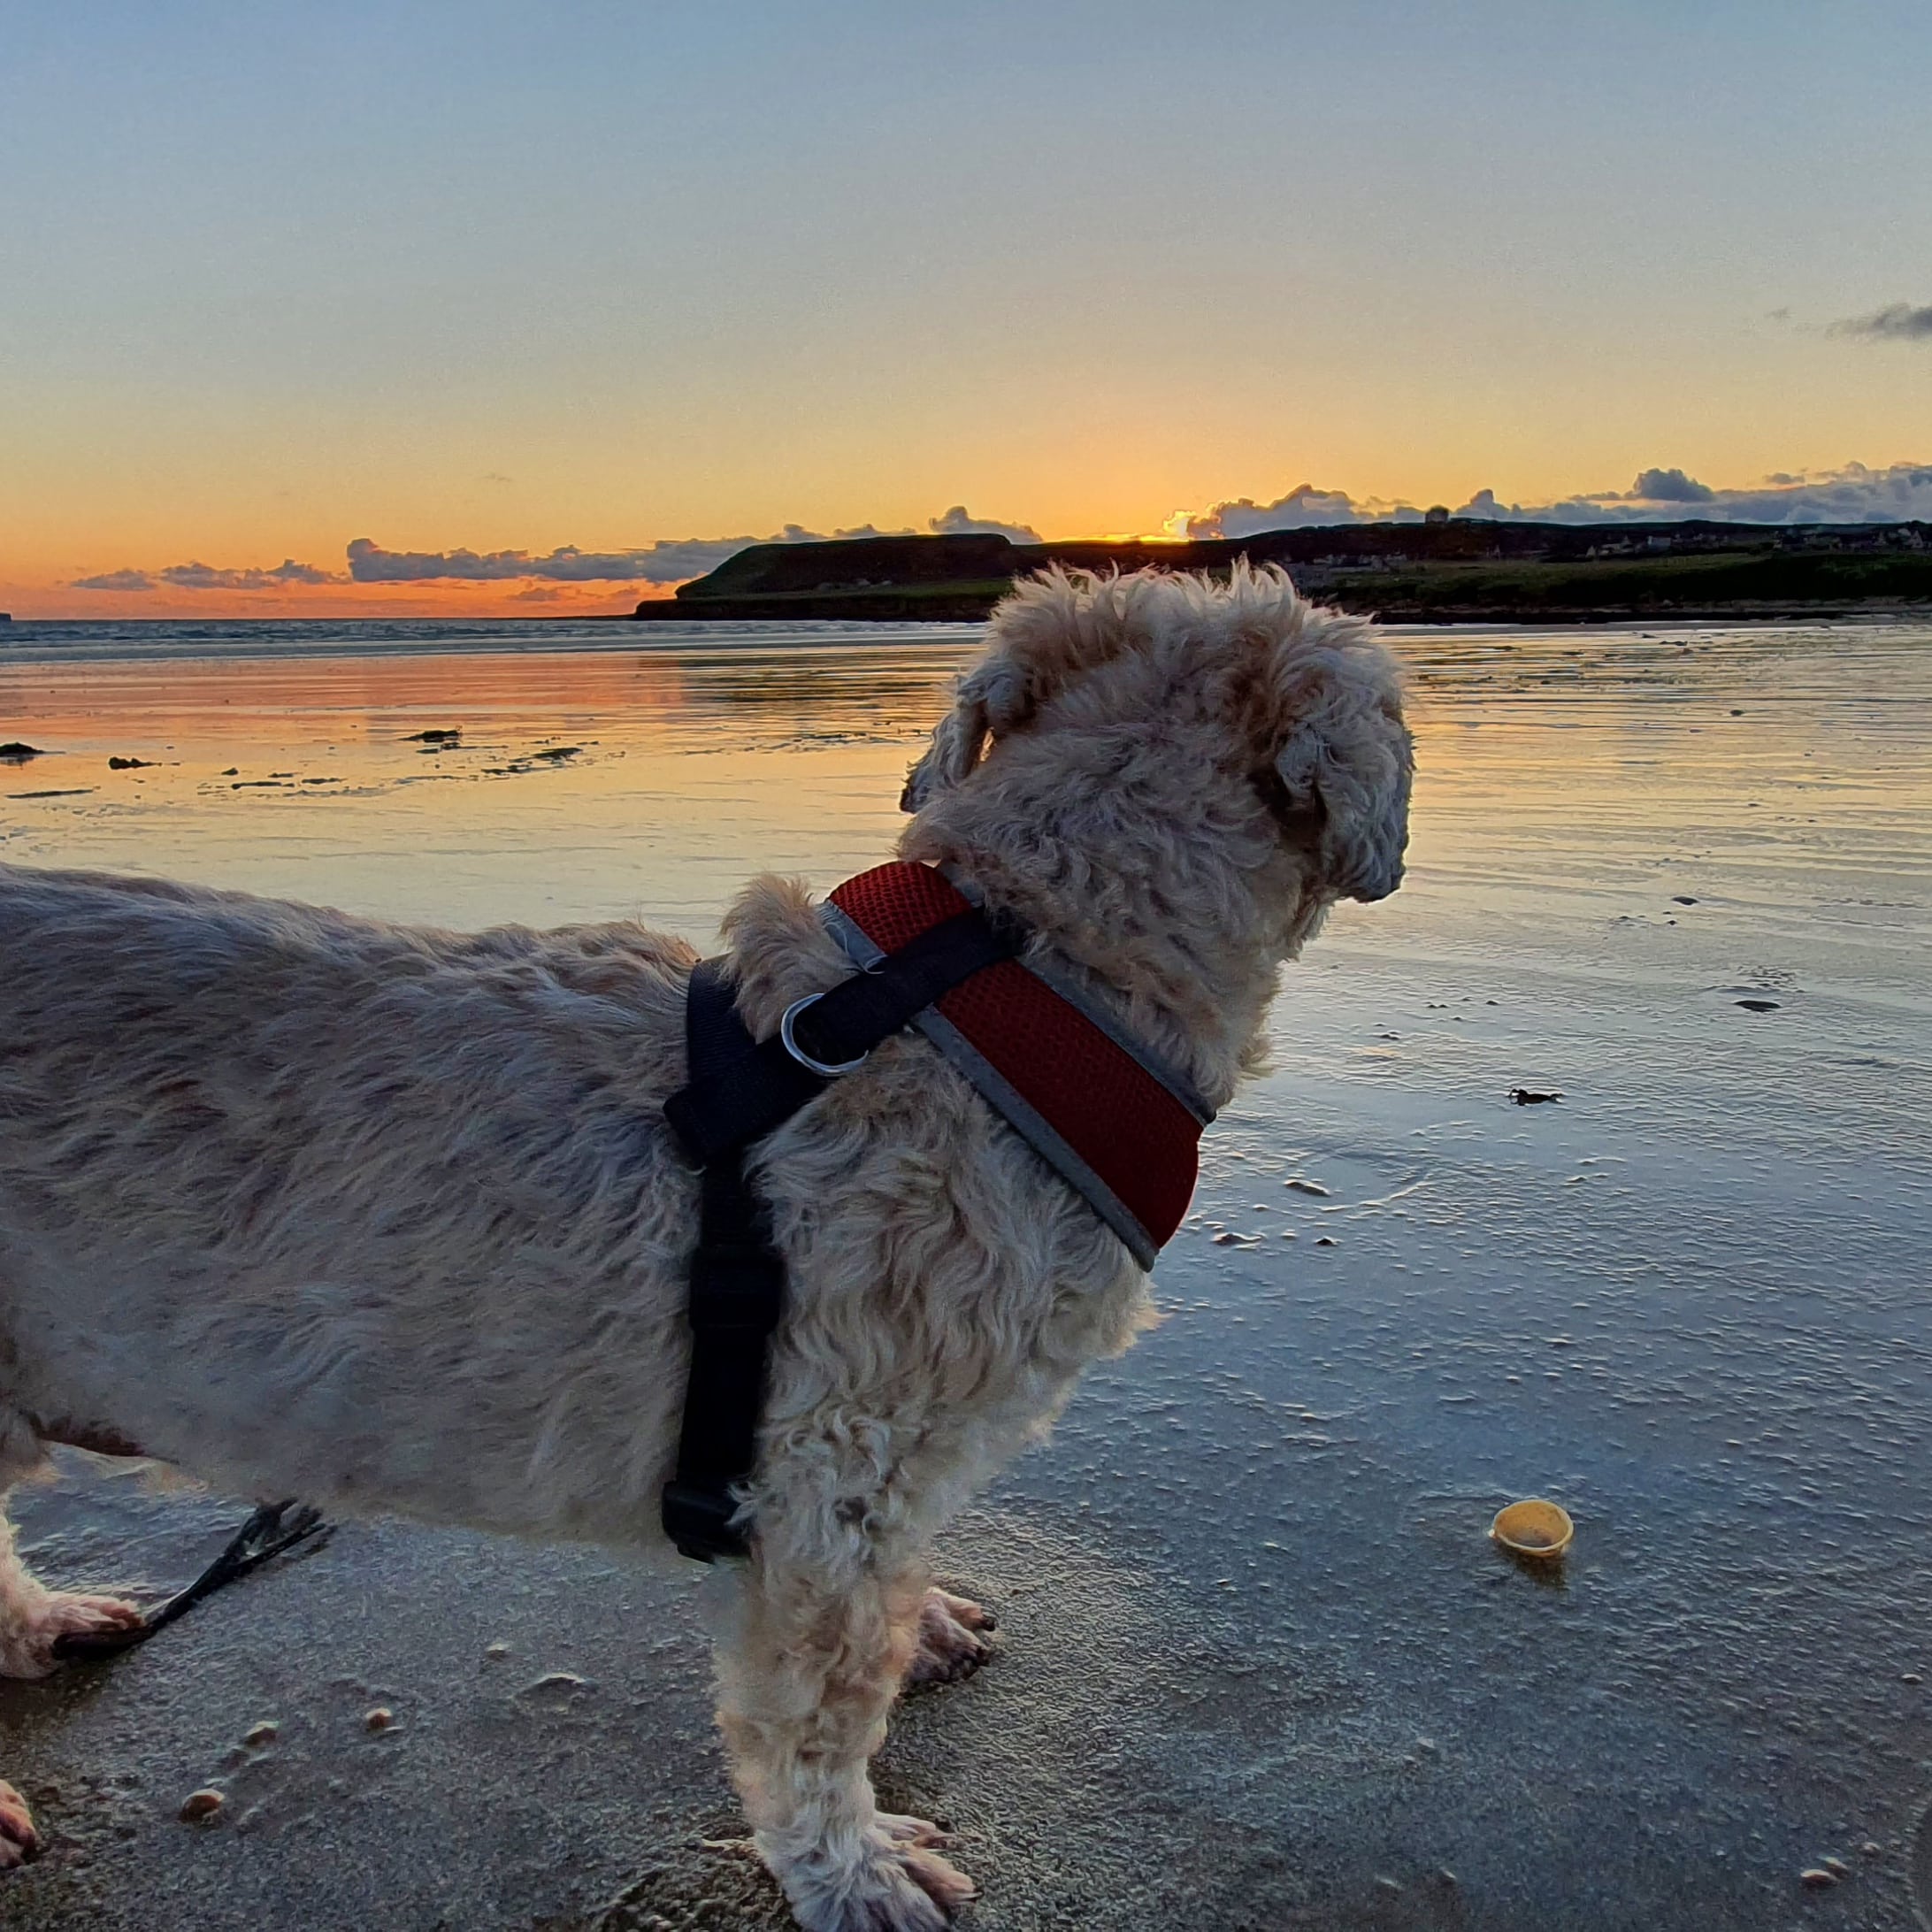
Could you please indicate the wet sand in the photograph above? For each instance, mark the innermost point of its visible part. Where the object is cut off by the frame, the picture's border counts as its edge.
(1259, 1666)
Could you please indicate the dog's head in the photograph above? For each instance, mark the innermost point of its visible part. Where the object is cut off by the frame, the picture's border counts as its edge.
(1227, 705)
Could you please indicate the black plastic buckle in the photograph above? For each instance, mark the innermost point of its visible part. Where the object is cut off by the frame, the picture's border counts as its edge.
(698, 1522)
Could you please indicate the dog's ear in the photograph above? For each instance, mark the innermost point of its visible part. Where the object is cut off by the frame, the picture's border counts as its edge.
(958, 740)
(1345, 759)
(1050, 630)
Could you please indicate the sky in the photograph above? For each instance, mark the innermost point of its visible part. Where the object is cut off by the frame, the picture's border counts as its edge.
(417, 307)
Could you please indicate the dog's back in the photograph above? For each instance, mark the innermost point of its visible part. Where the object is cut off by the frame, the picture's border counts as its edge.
(295, 1198)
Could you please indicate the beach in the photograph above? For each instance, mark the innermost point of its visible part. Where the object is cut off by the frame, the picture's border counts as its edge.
(1259, 1666)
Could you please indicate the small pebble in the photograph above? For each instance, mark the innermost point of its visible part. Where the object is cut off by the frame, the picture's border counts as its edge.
(1837, 1865)
(260, 1735)
(1757, 1005)
(1817, 1877)
(1871, 1848)
(380, 1719)
(497, 1650)
(1909, 1677)
(1323, 1240)
(1681, 899)
(1308, 1187)
(198, 1807)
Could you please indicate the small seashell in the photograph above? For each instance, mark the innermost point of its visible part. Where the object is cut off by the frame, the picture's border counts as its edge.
(199, 1806)
(262, 1734)
(1817, 1877)
(380, 1719)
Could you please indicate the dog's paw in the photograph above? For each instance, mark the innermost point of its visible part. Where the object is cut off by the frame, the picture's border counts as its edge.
(18, 1840)
(953, 1640)
(899, 1884)
(27, 1639)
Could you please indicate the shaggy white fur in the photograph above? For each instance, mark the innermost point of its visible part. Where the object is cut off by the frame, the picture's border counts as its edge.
(389, 1218)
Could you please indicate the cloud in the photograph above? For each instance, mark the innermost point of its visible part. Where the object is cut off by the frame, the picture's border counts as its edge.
(957, 523)
(1896, 322)
(1302, 507)
(666, 563)
(1671, 486)
(669, 561)
(115, 580)
(1854, 493)
(206, 576)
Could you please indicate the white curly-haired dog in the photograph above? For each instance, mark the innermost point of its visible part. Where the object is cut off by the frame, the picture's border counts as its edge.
(390, 1219)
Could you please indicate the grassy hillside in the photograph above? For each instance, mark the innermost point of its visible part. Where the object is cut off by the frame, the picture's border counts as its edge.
(1424, 572)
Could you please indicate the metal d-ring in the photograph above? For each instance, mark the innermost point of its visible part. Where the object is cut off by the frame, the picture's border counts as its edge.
(825, 1071)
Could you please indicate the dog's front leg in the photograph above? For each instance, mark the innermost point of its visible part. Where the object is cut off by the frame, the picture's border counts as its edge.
(806, 1678)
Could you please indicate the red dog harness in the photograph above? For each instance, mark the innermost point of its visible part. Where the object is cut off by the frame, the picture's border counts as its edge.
(1122, 1129)
(1118, 1127)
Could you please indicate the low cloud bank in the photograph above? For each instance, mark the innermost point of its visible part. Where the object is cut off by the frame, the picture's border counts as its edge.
(116, 580)
(1852, 494)
(206, 576)
(669, 561)
(1899, 494)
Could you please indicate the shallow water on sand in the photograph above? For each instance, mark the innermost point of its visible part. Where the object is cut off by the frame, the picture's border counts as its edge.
(1265, 1669)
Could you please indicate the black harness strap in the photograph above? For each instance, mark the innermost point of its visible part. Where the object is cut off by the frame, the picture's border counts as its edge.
(737, 1295)
(737, 1093)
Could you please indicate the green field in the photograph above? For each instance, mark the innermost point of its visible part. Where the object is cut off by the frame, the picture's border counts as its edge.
(1662, 584)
